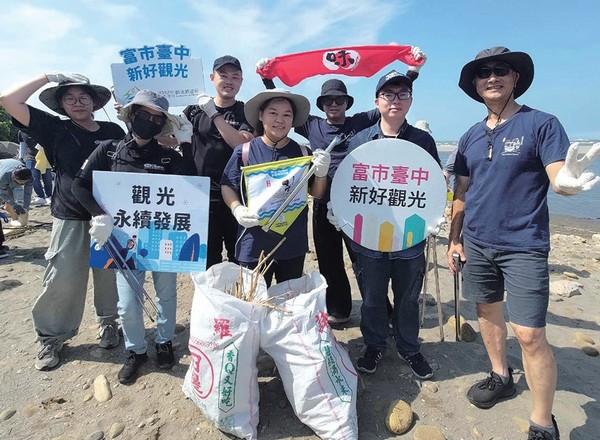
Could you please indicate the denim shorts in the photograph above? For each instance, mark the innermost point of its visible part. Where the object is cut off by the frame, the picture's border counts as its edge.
(524, 274)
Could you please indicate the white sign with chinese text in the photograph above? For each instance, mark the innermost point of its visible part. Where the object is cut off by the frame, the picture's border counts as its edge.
(386, 193)
(160, 221)
(165, 69)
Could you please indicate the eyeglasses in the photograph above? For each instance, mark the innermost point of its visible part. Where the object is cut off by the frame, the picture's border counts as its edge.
(390, 96)
(82, 99)
(157, 119)
(328, 100)
(499, 70)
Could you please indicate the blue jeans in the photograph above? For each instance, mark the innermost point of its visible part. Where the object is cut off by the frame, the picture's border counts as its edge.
(132, 315)
(407, 279)
(44, 191)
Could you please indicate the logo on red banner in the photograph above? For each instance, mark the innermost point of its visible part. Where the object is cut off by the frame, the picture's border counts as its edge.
(341, 59)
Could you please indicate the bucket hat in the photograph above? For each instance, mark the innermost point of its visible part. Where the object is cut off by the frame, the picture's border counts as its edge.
(148, 98)
(252, 107)
(48, 96)
(519, 61)
(334, 87)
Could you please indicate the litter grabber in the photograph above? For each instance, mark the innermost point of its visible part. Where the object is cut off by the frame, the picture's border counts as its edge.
(336, 140)
(430, 249)
(458, 267)
(112, 247)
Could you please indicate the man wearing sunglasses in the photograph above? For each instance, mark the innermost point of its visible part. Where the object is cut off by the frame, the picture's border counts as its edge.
(335, 101)
(500, 226)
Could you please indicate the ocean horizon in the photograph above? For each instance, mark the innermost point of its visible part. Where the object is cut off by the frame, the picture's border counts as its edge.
(585, 205)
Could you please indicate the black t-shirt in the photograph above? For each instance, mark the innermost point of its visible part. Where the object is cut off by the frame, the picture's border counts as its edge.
(67, 146)
(31, 144)
(208, 150)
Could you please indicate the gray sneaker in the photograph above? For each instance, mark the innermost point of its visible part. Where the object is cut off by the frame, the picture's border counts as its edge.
(48, 358)
(109, 336)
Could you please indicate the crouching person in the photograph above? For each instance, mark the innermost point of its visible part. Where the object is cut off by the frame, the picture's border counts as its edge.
(139, 152)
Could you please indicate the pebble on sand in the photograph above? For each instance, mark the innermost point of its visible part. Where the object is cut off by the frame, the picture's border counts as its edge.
(116, 429)
(399, 417)
(102, 391)
(565, 288)
(7, 414)
(580, 336)
(590, 351)
(467, 332)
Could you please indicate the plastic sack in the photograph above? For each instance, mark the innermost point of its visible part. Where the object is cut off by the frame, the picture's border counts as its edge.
(224, 341)
(318, 377)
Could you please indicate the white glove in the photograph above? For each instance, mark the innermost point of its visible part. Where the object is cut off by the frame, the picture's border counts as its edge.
(61, 77)
(321, 160)
(332, 218)
(207, 104)
(573, 177)
(182, 129)
(102, 226)
(435, 230)
(245, 217)
(418, 54)
(262, 63)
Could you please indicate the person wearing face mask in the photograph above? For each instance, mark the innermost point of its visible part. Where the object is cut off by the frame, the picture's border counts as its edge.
(58, 311)
(139, 152)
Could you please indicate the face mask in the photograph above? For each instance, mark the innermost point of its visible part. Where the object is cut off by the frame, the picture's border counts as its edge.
(144, 128)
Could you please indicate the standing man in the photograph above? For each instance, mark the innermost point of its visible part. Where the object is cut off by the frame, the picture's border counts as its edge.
(334, 101)
(406, 268)
(219, 126)
(500, 225)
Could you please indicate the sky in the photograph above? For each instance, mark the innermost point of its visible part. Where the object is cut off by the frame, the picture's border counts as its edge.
(563, 38)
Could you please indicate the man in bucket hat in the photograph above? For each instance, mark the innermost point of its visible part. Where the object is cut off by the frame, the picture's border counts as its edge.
(500, 225)
(149, 118)
(58, 311)
(335, 101)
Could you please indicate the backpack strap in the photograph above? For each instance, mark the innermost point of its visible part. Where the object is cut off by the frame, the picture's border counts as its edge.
(245, 153)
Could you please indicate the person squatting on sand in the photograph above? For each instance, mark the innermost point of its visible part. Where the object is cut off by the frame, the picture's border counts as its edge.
(58, 311)
(147, 114)
(500, 225)
(273, 113)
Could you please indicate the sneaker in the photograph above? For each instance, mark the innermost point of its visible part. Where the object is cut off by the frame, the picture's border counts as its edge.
(485, 393)
(165, 358)
(134, 361)
(48, 201)
(536, 433)
(3, 253)
(418, 364)
(48, 358)
(367, 363)
(109, 336)
(38, 201)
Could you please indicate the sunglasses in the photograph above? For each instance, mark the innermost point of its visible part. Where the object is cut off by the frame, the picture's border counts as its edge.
(328, 100)
(157, 119)
(486, 72)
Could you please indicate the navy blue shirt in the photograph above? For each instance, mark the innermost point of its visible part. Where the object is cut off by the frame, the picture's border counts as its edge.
(254, 240)
(411, 134)
(505, 203)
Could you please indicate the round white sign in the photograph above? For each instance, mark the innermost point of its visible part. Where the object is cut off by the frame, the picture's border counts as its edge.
(386, 193)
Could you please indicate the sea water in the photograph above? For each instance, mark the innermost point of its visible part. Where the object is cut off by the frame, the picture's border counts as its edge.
(586, 204)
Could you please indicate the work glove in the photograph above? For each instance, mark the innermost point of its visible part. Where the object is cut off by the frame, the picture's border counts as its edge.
(182, 129)
(245, 217)
(435, 230)
(4, 217)
(19, 210)
(332, 218)
(321, 160)
(207, 104)
(262, 63)
(62, 77)
(102, 226)
(417, 54)
(573, 177)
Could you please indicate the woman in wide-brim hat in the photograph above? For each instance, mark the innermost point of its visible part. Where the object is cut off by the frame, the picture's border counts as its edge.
(272, 113)
(58, 311)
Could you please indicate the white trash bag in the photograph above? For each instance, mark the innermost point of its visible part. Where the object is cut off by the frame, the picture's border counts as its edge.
(224, 341)
(318, 377)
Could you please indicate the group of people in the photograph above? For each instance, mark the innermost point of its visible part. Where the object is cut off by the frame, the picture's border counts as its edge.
(221, 134)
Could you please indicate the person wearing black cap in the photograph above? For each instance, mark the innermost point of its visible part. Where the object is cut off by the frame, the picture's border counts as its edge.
(219, 126)
(335, 101)
(374, 269)
(500, 226)
(58, 311)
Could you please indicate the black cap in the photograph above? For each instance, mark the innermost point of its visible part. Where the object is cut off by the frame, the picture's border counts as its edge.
(334, 87)
(393, 77)
(227, 59)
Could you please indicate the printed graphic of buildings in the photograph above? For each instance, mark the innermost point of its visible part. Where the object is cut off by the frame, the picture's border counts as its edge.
(381, 236)
(166, 250)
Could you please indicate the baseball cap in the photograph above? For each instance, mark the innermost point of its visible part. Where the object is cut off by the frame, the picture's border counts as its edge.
(394, 77)
(227, 59)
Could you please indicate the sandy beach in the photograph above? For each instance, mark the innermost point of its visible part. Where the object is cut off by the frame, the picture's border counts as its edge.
(63, 403)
